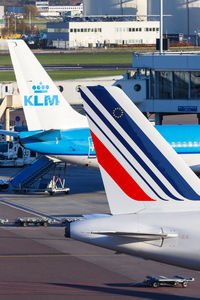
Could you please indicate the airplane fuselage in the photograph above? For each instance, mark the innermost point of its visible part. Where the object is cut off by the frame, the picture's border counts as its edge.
(180, 247)
(72, 146)
(75, 145)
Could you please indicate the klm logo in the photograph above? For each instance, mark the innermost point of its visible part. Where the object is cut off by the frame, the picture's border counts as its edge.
(39, 99)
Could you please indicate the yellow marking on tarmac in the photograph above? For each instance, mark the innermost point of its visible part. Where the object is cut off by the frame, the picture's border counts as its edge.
(57, 255)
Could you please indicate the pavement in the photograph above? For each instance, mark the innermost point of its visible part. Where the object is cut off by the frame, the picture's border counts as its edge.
(68, 67)
(40, 263)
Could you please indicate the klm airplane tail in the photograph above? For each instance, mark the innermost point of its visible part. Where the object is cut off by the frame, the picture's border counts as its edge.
(44, 106)
(139, 168)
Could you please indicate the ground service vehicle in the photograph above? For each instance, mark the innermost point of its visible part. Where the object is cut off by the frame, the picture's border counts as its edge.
(156, 281)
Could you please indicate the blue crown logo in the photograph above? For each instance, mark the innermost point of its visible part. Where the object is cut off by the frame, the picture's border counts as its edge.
(40, 88)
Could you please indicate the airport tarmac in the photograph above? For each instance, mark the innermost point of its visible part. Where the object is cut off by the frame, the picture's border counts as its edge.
(40, 263)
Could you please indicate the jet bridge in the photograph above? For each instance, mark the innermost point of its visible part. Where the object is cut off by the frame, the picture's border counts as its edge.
(167, 83)
(7, 103)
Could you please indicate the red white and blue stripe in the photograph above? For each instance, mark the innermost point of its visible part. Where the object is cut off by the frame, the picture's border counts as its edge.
(131, 151)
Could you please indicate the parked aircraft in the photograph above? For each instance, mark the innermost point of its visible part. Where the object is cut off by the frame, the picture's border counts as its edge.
(154, 197)
(57, 130)
(54, 127)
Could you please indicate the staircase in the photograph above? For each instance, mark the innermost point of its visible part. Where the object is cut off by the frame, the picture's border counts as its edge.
(31, 174)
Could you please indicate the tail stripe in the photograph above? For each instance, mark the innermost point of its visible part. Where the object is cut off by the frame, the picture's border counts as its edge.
(118, 173)
(148, 179)
(144, 143)
(128, 143)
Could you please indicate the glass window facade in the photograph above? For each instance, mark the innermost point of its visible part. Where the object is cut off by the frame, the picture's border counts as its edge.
(181, 85)
(174, 85)
(165, 85)
(195, 85)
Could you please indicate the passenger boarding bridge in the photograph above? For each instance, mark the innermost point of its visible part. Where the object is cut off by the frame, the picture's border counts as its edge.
(167, 83)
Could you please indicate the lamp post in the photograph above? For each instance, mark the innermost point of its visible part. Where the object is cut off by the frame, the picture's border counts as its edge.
(161, 26)
(188, 17)
(196, 38)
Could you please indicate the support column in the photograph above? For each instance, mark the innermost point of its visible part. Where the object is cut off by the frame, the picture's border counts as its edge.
(198, 117)
(158, 118)
(7, 122)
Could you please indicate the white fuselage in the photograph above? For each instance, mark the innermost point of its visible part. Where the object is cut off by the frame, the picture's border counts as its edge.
(81, 160)
(181, 248)
(192, 160)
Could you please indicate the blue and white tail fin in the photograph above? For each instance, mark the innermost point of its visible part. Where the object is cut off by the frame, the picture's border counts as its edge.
(136, 162)
(44, 106)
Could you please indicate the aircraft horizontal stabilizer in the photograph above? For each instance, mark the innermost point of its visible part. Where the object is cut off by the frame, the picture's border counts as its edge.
(43, 136)
(137, 235)
(10, 133)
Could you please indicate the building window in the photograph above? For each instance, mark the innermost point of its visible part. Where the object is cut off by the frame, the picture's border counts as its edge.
(58, 30)
(165, 85)
(181, 82)
(195, 85)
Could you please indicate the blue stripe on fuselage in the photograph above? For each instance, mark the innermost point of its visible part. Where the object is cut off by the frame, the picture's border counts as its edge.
(185, 139)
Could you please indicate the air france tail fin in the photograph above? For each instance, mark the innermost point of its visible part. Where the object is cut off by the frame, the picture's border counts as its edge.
(139, 168)
(44, 106)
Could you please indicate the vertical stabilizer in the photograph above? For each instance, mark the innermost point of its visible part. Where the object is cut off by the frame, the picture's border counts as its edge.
(139, 168)
(44, 106)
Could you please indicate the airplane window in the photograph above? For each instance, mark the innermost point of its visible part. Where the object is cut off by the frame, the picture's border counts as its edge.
(195, 144)
(179, 144)
(190, 144)
(184, 144)
(173, 144)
